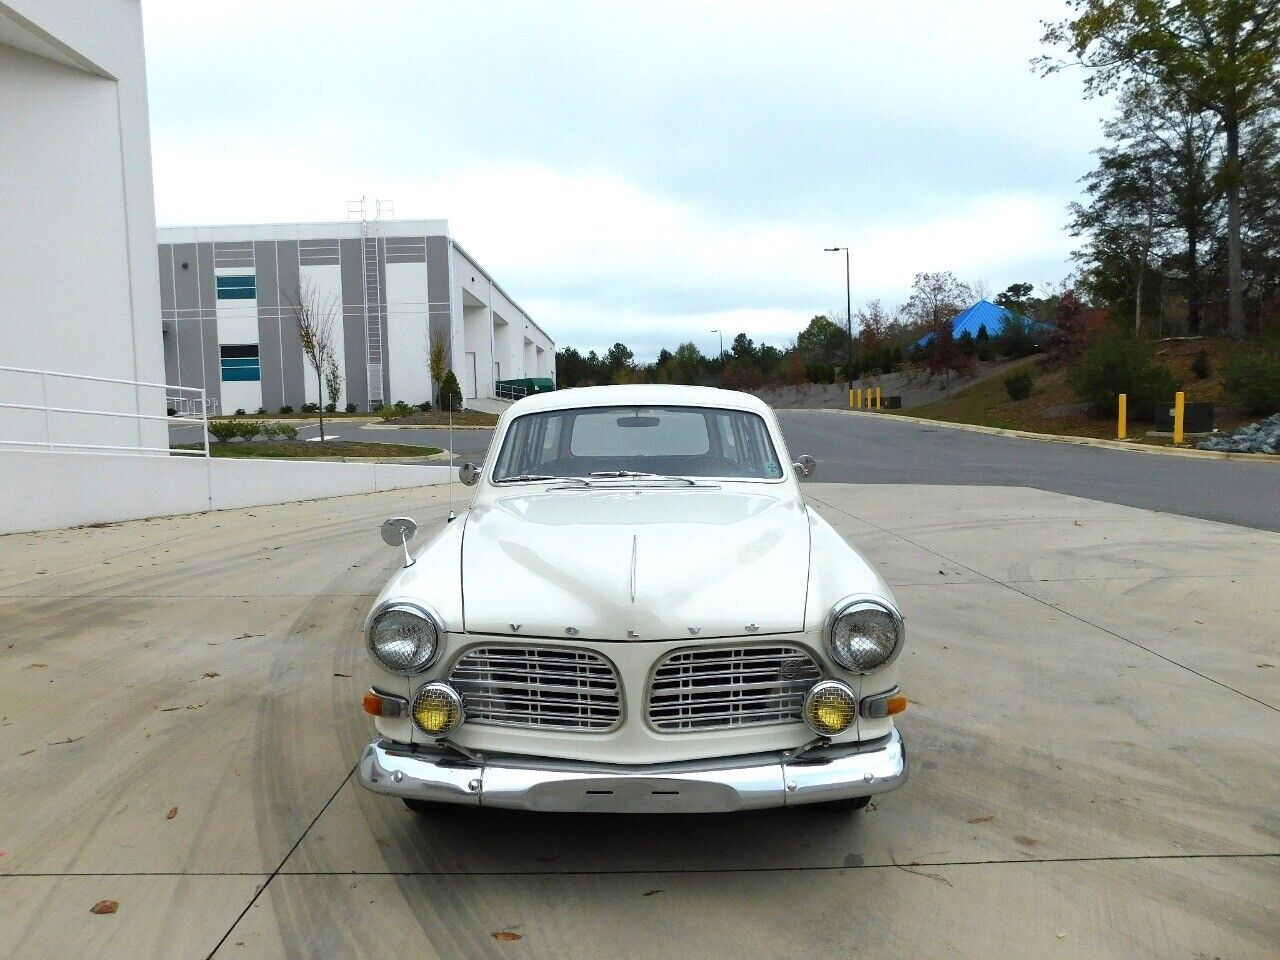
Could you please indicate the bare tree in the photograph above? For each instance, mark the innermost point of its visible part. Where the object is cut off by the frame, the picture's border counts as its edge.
(316, 315)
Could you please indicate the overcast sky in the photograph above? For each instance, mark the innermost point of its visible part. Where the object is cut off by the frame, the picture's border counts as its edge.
(639, 171)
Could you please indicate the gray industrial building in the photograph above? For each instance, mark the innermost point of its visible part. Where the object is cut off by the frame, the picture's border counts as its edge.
(228, 298)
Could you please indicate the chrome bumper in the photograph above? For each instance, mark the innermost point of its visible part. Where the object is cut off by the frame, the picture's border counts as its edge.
(733, 783)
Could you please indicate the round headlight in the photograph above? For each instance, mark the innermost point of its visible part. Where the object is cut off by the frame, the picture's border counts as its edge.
(865, 636)
(403, 640)
(437, 709)
(830, 708)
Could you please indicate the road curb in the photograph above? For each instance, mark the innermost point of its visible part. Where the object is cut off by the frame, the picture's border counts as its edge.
(1060, 438)
(425, 426)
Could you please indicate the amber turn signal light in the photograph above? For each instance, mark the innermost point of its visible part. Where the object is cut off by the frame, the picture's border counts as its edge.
(380, 705)
(896, 704)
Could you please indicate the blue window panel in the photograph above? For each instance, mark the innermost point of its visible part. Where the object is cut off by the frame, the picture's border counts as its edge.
(239, 362)
(241, 373)
(237, 288)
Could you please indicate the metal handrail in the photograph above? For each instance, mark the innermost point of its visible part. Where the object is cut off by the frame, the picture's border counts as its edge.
(173, 392)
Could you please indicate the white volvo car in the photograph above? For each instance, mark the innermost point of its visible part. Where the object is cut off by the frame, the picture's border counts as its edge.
(638, 612)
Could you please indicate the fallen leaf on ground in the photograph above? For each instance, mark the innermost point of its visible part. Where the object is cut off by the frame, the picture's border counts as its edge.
(173, 812)
(506, 936)
(980, 819)
(347, 675)
(1026, 841)
(169, 709)
(1266, 666)
(650, 893)
(210, 674)
(105, 906)
(246, 636)
(25, 752)
(38, 665)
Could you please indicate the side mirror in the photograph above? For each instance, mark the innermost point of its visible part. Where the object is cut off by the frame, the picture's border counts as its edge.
(805, 466)
(469, 474)
(397, 532)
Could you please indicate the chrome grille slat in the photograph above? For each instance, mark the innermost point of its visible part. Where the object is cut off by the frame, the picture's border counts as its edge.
(547, 687)
(711, 688)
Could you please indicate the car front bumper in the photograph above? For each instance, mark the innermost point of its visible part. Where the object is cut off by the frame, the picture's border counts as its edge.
(713, 786)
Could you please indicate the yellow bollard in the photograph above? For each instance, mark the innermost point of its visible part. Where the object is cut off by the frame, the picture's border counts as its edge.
(877, 398)
(1179, 401)
(850, 399)
(1122, 418)
(859, 398)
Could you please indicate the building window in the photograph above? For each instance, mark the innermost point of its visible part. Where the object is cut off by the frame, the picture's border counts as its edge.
(240, 287)
(240, 361)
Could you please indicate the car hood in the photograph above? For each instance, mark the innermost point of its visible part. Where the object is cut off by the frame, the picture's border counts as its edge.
(636, 564)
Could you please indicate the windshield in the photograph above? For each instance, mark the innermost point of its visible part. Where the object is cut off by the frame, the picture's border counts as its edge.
(618, 441)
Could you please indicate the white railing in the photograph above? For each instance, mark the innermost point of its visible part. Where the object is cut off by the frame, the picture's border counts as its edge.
(510, 391)
(189, 403)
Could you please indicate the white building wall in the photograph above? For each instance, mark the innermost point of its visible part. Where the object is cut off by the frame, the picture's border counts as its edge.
(326, 282)
(77, 219)
(408, 349)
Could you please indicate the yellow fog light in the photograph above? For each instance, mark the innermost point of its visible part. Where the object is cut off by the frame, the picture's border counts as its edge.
(437, 709)
(830, 708)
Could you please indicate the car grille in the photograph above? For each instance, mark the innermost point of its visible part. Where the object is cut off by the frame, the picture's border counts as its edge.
(712, 688)
(547, 687)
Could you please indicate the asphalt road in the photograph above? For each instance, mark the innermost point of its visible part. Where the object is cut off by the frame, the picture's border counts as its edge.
(889, 449)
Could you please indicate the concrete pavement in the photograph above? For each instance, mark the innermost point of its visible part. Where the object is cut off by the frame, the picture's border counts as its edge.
(1094, 724)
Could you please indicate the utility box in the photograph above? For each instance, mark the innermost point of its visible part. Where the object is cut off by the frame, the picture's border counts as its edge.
(893, 403)
(1196, 417)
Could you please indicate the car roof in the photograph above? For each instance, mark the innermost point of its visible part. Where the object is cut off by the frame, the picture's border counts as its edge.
(644, 394)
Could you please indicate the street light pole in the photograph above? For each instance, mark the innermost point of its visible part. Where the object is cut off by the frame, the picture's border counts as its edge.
(848, 308)
(720, 356)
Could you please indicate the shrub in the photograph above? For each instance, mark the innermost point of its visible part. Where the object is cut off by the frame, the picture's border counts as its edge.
(311, 408)
(240, 412)
(261, 411)
(1252, 381)
(173, 412)
(1018, 385)
(286, 409)
(248, 429)
(350, 408)
(223, 430)
(286, 431)
(985, 352)
(1201, 368)
(425, 406)
(376, 406)
(1117, 364)
(270, 431)
(450, 393)
(330, 408)
(397, 409)
(966, 344)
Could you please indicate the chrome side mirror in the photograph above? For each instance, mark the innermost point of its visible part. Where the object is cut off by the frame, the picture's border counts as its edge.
(469, 474)
(805, 466)
(397, 532)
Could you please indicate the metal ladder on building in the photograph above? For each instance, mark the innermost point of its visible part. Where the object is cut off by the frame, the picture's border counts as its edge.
(371, 253)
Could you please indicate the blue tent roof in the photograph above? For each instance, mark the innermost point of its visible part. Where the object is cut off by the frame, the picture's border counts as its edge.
(983, 313)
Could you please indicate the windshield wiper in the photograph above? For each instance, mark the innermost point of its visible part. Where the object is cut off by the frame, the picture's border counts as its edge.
(539, 476)
(639, 475)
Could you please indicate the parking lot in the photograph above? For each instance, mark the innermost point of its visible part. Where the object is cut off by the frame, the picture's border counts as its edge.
(1094, 729)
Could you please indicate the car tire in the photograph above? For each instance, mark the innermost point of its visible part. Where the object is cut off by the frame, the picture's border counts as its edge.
(419, 806)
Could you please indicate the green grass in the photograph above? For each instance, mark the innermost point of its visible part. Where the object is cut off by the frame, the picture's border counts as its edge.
(438, 418)
(303, 450)
(988, 404)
